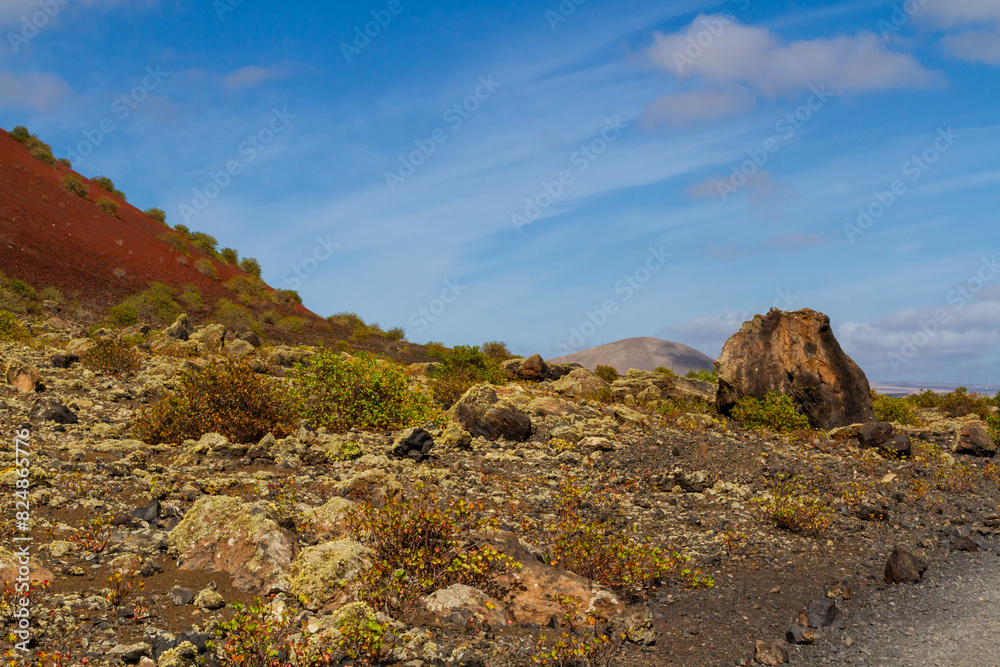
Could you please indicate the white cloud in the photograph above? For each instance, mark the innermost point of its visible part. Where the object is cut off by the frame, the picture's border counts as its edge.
(737, 62)
(979, 22)
(974, 46)
(33, 90)
(756, 57)
(250, 76)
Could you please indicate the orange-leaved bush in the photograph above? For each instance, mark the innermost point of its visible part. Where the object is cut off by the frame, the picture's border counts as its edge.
(224, 397)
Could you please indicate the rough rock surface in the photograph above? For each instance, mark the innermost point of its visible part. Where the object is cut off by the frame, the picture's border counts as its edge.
(225, 533)
(579, 383)
(482, 413)
(794, 353)
(457, 607)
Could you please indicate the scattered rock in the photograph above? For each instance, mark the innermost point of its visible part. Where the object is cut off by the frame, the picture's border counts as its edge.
(821, 613)
(181, 329)
(579, 383)
(414, 443)
(25, 378)
(326, 575)
(64, 360)
(181, 596)
(975, 440)
(964, 544)
(903, 567)
(51, 410)
(800, 635)
(871, 513)
(209, 600)
(459, 607)
(456, 438)
(770, 654)
(794, 353)
(482, 413)
(238, 348)
(635, 624)
(875, 434)
(225, 533)
(130, 654)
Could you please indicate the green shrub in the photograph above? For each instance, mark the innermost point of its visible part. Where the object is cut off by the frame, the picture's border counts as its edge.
(666, 371)
(461, 368)
(397, 334)
(206, 267)
(228, 398)
(108, 185)
(704, 376)
(176, 241)
(124, 315)
(43, 155)
(891, 409)
(20, 133)
(20, 288)
(205, 242)
(606, 373)
(229, 256)
(602, 395)
(496, 349)
(363, 392)
(235, 317)
(292, 323)
(183, 229)
(422, 545)
(52, 294)
(775, 413)
(157, 214)
(685, 405)
(66, 162)
(250, 290)
(72, 183)
(108, 205)
(255, 638)
(286, 296)
(10, 328)
(791, 506)
(250, 266)
(155, 305)
(191, 298)
(112, 356)
(270, 317)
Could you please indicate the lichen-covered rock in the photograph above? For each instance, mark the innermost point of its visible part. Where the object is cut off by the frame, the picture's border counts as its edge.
(181, 329)
(579, 383)
(329, 521)
(238, 348)
(482, 413)
(326, 576)
(226, 533)
(456, 607)
(184, 654)
(794, 353)
(209, 600)
(374, 485)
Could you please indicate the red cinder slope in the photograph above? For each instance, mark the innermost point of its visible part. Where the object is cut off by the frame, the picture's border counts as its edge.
(49, 236)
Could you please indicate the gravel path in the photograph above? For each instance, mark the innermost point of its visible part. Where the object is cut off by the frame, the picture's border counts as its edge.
(950, 619)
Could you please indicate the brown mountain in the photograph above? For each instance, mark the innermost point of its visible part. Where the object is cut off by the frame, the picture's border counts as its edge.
(644, 354)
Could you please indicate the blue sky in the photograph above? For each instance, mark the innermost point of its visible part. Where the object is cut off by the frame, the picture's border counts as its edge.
(558, 175)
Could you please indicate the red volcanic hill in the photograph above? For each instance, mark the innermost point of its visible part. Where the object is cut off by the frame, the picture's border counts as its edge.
(52, 237)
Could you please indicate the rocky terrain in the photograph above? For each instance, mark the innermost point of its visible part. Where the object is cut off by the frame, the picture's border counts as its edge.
(673, 532)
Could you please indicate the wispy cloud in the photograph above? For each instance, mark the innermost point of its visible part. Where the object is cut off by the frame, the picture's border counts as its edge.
(978, 21)
(40, 91)
(250, 76)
